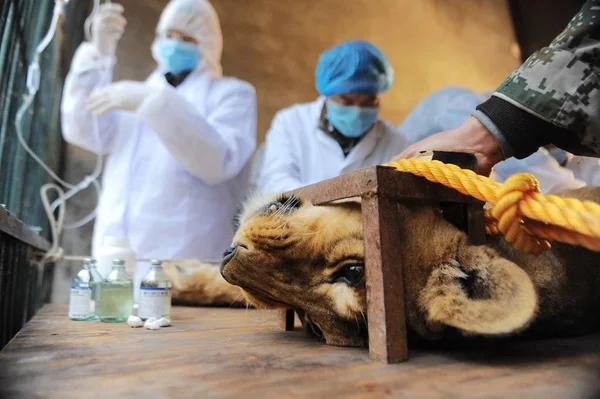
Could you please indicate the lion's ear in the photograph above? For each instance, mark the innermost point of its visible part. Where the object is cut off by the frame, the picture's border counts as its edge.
(494, 298)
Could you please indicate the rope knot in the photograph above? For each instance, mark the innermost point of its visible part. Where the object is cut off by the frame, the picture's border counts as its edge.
(549, 217)
(517, 190)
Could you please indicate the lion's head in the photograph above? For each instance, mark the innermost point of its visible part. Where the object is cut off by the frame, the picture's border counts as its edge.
(290, 253)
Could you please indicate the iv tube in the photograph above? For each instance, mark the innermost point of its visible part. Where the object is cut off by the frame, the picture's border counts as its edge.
(33, 84)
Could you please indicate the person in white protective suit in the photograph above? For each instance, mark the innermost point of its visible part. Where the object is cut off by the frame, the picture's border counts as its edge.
(178, 144)
(555, 169)
(338, 133)
(448, 108)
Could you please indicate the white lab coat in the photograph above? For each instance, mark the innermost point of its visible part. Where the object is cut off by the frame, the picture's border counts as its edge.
(585, 169)
(176, 168)
(577, 172)
(298, 153)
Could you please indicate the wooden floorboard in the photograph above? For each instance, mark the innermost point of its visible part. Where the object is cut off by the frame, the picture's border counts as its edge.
(233, 353)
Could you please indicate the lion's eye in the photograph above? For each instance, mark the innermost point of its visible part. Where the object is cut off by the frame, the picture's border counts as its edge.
(282, 204)
(290, 203)
(350, 274)
(271, 207)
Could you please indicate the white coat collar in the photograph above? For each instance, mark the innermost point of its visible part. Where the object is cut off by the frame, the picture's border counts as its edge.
(363, 149)
(367, 145)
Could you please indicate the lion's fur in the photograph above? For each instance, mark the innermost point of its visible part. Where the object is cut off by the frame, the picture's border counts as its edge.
(288, 254)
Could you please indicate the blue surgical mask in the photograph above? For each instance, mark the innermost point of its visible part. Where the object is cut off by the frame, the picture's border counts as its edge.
(350, 120)
(178, 56)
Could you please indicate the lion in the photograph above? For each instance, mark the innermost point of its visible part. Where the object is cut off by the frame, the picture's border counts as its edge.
(289, 253)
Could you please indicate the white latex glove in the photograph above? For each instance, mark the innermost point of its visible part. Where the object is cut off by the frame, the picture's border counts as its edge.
(108, 26)
(126, 95)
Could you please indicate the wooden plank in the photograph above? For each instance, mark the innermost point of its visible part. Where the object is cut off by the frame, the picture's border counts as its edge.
(9, 224)
(463, 159)
(396, 185)
(286, 319)
(476, 224)
(402, 186)
(238, 353)
(345, 186)
(467, 216)
(385, 287)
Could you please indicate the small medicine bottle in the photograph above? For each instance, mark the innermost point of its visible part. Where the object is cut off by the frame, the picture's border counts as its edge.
(116, 295)
(155, 293)
(97, 279)
(83, 289)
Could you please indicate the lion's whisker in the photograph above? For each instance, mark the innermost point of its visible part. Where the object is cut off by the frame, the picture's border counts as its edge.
(237, 298)
(283, 208)
(283, 224)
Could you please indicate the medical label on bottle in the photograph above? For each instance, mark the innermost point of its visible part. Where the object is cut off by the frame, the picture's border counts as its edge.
(154, 302)
(79, 304)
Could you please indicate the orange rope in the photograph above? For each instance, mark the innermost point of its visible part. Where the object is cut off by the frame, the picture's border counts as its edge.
(528, 219)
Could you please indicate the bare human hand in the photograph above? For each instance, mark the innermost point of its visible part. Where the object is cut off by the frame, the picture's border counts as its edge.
(471, 137)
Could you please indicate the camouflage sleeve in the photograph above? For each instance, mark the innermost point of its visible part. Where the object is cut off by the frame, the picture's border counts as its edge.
(559, 87)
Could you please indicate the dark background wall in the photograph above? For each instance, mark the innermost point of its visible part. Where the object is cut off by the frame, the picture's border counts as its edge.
(537, 22)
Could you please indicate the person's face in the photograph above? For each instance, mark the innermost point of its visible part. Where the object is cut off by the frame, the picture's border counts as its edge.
(182, 37)
(360, 100)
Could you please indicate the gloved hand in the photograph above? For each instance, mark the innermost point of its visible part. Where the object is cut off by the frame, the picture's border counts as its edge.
(126, 95)
(108, 26)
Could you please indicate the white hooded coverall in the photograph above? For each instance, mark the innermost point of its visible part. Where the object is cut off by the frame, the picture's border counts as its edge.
(176, 168)
(553, 178)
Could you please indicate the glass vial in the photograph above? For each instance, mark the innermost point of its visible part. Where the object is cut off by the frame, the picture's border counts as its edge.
(155, 293)
(116, 295)
(97, 279)
(82, 301)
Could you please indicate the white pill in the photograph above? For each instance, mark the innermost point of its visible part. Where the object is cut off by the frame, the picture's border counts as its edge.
(149, 321)
(152, 326)
(164, 322)
(134, 321)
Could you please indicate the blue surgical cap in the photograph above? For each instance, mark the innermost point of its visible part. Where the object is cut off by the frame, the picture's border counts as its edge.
(354, 67)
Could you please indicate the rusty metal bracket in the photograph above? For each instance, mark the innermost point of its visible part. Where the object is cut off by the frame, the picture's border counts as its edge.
(380, 188)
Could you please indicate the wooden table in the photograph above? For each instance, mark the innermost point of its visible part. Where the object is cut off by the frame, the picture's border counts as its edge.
(237, 353)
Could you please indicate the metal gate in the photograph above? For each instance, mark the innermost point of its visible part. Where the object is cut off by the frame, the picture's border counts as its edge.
(24, 287)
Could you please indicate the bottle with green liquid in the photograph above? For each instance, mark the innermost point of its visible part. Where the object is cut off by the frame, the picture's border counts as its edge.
(116, 295)
(97, 279)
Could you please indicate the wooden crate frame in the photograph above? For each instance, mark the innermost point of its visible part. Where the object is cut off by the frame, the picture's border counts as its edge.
(380, 189)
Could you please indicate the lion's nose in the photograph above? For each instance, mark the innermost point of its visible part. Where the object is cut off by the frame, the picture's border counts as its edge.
(228, 255)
